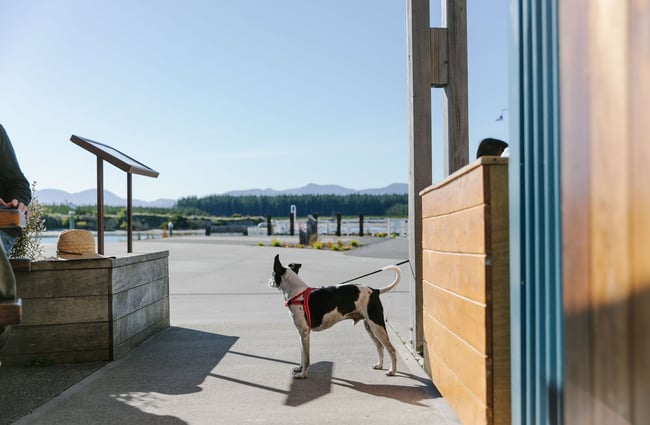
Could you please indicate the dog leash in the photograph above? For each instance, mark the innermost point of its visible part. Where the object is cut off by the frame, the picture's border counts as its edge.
(371, 273)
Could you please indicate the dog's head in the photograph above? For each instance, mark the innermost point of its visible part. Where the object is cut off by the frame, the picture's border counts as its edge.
(279, 271)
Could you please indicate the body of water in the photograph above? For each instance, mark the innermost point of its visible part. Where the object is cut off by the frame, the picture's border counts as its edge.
(51, 237)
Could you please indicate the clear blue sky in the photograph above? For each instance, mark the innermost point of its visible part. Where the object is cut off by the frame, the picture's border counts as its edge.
(221, 95)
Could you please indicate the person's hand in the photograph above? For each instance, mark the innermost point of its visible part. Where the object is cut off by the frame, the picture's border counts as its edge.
(15, 203)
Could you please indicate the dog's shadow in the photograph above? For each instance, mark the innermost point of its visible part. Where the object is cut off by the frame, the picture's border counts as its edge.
(410, 394)
(321, 379)
(317, 385)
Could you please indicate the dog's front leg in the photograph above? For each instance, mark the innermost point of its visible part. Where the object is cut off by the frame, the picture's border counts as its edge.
(301, 372)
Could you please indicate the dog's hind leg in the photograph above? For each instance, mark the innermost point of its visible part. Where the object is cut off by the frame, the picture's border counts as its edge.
(380, 334)
(380, 348)
(377, 327)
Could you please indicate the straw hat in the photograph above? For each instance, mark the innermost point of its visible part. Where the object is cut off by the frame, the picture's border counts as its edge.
(76, 244)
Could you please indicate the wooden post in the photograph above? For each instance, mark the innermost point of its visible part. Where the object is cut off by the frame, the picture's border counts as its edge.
(292, 218)
(360, 224)
(269, 228)
(338, 224)
(456, 146)
(419, 96)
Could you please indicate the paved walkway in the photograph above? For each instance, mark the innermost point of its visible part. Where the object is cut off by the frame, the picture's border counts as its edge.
(227, 357)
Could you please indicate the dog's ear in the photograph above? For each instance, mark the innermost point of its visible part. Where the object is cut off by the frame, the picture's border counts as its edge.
(278, 268)
(295, 267)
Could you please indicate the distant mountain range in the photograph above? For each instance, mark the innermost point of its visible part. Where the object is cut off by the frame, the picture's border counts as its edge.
(89, 196)
(317, 189)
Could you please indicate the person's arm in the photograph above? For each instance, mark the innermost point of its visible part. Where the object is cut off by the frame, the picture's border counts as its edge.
(13, 184)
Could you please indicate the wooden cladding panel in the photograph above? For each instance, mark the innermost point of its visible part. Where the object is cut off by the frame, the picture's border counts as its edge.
(640, 208)
(575, 237)
(60, 310)
(62, 282)
(459, 273)
(462, 232)
(466, 191)
(126, 302)
(51, 342)
(463, 360)
(22, 359)
(137, 321)
(606, 209)
(463, 317)
(131, 330)
(466, 290)
(498, 281)
(140, 302)
(469, 408)
(610, 283)
(150, 269)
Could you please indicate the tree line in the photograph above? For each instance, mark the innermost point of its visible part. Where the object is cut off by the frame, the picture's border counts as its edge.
(279, 206)
(216, 210)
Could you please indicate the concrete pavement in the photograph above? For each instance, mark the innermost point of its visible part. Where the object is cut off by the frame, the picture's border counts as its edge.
(227, 357)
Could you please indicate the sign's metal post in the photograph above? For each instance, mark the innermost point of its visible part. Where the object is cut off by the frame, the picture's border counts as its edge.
(129, 212)
(100, 205)
(125, 163)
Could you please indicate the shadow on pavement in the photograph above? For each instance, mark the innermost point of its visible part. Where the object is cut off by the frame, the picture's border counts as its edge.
(410, 395)
(317, 385)
(175, 361)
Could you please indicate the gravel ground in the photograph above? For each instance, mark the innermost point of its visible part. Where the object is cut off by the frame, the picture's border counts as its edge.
(24, 388)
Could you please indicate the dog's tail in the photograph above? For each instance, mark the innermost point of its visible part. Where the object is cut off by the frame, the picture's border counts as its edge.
(397, 278)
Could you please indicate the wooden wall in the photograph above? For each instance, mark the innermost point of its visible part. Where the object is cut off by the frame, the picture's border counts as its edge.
(140, 300)
(466, 290)
(88, 310)
(605, 151)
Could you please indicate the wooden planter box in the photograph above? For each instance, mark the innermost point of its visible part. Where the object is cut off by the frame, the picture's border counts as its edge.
(89, 310)
(466, 318)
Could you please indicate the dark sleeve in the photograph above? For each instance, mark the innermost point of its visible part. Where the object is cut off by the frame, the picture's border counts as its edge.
(13, 184)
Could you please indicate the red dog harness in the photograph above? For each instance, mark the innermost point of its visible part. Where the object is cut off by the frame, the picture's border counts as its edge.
(304, 302)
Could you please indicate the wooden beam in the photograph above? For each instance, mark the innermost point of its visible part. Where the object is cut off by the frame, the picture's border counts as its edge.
(439, 57)
(456, 147)
(419, 88)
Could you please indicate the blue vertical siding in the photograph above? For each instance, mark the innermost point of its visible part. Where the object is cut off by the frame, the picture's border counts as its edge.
(535, 228)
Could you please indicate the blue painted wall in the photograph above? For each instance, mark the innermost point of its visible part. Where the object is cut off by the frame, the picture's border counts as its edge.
(535, 227)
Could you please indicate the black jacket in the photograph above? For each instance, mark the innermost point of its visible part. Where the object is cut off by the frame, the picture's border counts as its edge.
(13, 184)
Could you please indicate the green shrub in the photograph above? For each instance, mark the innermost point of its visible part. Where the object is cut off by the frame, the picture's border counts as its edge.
(28, 243)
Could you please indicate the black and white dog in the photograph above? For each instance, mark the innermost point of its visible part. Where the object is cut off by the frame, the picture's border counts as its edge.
(320, 308)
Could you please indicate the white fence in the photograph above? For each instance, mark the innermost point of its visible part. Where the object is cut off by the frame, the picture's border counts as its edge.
(327, 226)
